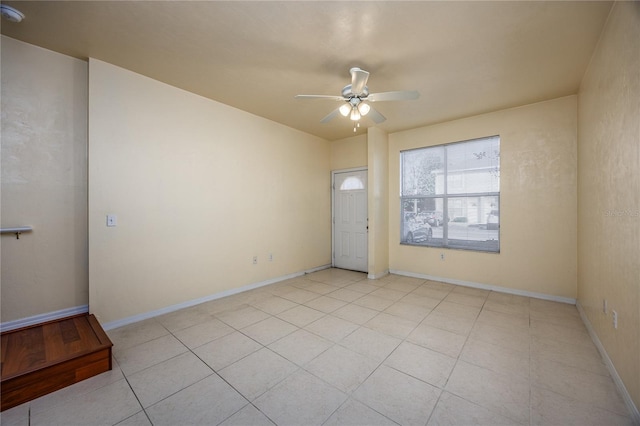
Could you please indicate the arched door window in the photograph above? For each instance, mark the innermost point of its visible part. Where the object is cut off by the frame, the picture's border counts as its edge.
(352, 183)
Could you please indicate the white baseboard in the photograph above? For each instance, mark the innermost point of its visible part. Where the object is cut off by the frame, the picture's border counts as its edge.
(40, 318)
(481, 286)
(308, 271)
(631, 406)
(146, 315)
(377, 276)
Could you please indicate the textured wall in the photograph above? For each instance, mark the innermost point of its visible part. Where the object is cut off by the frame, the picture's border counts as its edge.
(609, 191)
(44, 180)
(199, 188)
(378, 146)
(537, 204)
(349, 153)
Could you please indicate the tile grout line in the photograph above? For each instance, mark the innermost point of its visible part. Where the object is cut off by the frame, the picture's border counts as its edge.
(348, 394)
(401, 372)
(225, 380)
(334, 343)
(360, 326)
(457, 360)
(144, 410)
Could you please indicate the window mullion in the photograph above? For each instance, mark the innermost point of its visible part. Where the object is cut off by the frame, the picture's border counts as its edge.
(445, 203)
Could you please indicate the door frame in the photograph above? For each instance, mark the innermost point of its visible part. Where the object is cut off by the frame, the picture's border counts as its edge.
(333, 213)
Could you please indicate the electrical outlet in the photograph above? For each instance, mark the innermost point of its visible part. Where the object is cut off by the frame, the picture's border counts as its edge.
(615, 319)
(270, 258)
(255, 260)
(605, 308)
(112, 220)
(442, 256)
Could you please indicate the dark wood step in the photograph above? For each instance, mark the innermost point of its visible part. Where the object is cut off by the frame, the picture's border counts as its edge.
(43, 358)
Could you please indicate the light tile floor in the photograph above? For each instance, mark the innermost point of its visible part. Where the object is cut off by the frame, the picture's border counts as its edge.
(334, 348)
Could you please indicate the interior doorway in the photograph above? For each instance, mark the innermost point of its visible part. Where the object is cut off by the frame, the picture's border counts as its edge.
(350, 220)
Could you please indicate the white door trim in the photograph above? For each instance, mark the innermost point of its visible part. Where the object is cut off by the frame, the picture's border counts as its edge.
(333, 203)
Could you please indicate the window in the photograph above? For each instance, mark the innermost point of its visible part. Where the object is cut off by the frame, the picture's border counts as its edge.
(450, 195)
(351, 183)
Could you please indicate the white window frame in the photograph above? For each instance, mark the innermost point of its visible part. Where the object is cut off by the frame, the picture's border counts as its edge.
(445, 242)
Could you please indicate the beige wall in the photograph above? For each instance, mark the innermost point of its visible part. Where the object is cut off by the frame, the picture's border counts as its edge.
(609, 192)
(199, 188)
(349, 153)
(44, 181)
(537, 206)
(378, 178)
(370, 150)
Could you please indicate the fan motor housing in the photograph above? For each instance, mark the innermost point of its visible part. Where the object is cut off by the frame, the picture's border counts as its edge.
(348, 94)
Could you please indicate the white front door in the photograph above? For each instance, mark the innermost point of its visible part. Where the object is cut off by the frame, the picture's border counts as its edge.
(350, 220)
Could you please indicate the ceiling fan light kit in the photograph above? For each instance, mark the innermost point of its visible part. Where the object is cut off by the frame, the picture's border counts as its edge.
(364, 109)
(354, 96)
(11, 14)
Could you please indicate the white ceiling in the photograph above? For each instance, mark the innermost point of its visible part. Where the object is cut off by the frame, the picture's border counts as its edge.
(465, 58)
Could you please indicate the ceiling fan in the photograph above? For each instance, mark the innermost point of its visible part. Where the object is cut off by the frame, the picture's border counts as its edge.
(356, 99)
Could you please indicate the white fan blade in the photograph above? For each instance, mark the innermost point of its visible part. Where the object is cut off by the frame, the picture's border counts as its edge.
(358, 80)
(402, 95)
(329, 97)
(330, 116)
(376, 116)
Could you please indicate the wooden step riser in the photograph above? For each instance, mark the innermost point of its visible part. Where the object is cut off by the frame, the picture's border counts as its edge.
(21, 387)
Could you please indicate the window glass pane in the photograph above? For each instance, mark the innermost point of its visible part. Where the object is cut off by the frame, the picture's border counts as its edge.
(473, 166)
(422, 171)
(422, 221)
(450, 195)
(351, 183)
(474, 224)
